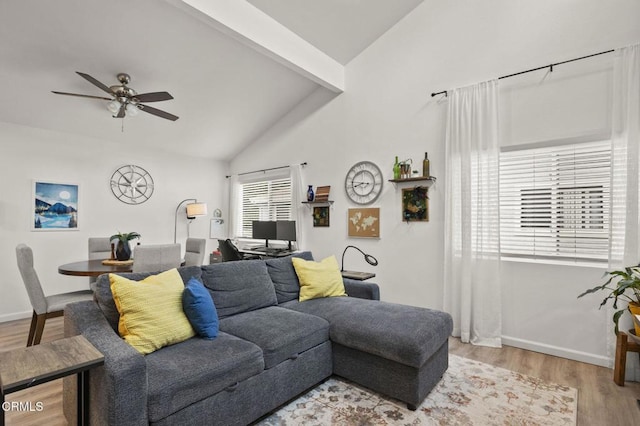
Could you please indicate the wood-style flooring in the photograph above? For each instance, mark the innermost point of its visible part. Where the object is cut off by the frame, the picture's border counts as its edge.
(600, 401)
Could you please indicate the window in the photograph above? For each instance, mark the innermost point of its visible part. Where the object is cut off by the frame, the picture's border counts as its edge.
(554, 202)
(264, 200)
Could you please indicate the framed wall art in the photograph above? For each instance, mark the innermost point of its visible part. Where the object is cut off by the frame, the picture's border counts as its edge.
(364, 222)
(415, 204)
(321, 216)
(55, 206)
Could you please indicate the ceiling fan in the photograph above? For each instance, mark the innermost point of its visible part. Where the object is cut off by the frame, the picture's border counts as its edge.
(124, 100)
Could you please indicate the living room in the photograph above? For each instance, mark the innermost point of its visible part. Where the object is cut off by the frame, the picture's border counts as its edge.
(385, 110)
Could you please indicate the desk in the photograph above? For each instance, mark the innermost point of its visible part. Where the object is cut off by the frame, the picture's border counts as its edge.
(91, 268)
(264, 253)
(34, 365)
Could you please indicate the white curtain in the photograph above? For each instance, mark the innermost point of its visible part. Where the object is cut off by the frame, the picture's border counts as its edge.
(472, 217)
(625, 159)
(298, 194)
(234, 207)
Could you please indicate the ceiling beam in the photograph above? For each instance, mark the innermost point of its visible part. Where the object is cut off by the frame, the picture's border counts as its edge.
(249, 25)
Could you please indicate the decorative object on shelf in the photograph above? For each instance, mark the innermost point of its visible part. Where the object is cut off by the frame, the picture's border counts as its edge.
(310, 195)
(625, 288)
(123, 100)
(425, 165)
(396, 169)
(123, 250)
(370, 259)
(322, 194)
(194, 209)
(321, 216)
(415, 204)
(364, 222)
(131, 184)
(55, 206)
(405, 169)
(363, 182)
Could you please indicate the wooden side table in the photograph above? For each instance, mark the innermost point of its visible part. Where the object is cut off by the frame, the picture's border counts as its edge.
(623, 345)
(34, 365)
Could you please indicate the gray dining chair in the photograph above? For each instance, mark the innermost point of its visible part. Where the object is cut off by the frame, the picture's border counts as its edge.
(44, 307)
(99, 248)
(156, 258)
(194, 251)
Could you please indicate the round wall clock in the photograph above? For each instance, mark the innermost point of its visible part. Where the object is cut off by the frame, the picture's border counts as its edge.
(132, 184)
(363, 182)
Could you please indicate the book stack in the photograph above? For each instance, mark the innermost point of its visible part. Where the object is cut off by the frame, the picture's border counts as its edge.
(322, 194)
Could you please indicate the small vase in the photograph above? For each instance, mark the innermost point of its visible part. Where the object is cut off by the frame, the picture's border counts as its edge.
(123, 251)
(310, 194)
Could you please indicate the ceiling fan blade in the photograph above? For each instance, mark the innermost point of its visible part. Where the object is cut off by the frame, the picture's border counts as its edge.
(82, 96)
(121, 111)
(153, 97)
(94, 82)
(159, 113)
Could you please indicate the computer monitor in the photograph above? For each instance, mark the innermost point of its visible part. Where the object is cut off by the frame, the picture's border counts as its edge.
(264, 230)
(286, 231)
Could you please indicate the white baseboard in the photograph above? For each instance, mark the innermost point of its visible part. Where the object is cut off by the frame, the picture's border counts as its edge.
(15, 316)
(589, 358)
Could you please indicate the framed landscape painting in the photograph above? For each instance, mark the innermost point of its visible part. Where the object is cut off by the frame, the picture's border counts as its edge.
(55, 206)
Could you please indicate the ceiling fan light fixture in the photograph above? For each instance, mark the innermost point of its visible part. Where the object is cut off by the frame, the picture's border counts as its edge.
(132, 110)
(113, 106)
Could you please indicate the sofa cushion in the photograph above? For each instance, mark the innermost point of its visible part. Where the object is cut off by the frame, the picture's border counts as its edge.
(200, 310)
(151, 314)
(104, 297)
(405, 334)
(239, 286)
(319, 279)
(280, 333)
(183, 374)
(284, 276)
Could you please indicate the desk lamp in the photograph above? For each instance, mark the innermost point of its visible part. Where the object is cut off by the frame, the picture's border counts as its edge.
(370, 259)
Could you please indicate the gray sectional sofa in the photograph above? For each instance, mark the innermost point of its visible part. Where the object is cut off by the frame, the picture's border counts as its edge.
(270, 349)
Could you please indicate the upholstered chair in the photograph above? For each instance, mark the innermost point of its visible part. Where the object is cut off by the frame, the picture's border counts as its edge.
(156, 258)
(44, 307)
(99, 248)
(194, 251)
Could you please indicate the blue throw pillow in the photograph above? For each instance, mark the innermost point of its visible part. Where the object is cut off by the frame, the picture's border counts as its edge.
(200, 310)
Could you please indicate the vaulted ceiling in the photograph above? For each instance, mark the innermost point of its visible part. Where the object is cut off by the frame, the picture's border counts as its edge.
(233, 67)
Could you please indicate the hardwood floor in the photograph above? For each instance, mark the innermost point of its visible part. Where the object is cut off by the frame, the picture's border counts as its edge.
(600, 401)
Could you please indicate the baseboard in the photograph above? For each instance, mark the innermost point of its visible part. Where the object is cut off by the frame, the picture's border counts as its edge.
(15, 316)
(589, 358)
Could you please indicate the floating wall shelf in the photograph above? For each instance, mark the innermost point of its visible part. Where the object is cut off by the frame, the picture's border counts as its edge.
(428, 180)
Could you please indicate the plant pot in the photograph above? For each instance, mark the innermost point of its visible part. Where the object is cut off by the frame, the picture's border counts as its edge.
(123, 251)
(635, 310)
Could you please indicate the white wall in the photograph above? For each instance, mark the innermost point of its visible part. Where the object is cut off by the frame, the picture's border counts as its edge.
(28, 153)
(387, 110)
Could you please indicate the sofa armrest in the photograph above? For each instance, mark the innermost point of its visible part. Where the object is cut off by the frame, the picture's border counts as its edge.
(361, 289)
(119, 388)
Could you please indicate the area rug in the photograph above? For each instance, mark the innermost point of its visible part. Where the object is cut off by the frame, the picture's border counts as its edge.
(470, 393)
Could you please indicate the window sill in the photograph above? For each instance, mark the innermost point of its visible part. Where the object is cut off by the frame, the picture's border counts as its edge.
(560, 262)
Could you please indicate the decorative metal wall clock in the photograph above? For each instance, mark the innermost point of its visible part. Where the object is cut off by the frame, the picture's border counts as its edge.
(363, 182)
(132, 184)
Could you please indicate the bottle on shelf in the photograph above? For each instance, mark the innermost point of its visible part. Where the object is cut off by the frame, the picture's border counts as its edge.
(396, 169)
(425, 166)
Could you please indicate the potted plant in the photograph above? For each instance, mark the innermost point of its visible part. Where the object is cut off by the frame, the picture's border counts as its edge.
(123, 250)
(624, 285)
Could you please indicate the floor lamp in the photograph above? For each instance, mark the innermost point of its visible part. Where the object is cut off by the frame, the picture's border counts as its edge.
(194, 209)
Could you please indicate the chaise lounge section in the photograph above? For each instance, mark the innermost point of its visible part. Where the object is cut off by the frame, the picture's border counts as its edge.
(271, 348)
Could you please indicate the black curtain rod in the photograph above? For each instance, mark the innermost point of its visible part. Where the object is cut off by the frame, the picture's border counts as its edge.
(266, 170)
(550, 66)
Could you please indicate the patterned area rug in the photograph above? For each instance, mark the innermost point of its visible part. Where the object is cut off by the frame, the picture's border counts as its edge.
(470, 393)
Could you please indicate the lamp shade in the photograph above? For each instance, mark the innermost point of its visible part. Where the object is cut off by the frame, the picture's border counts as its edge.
(196, 209)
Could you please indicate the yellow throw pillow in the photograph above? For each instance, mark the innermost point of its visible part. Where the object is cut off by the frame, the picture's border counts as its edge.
(151, 314)
(319, 279)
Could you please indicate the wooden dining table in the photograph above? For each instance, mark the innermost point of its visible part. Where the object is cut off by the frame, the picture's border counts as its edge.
(92, 268)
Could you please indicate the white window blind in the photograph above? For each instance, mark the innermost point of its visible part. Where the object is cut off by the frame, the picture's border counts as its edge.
(264, 200)
(554, 202)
